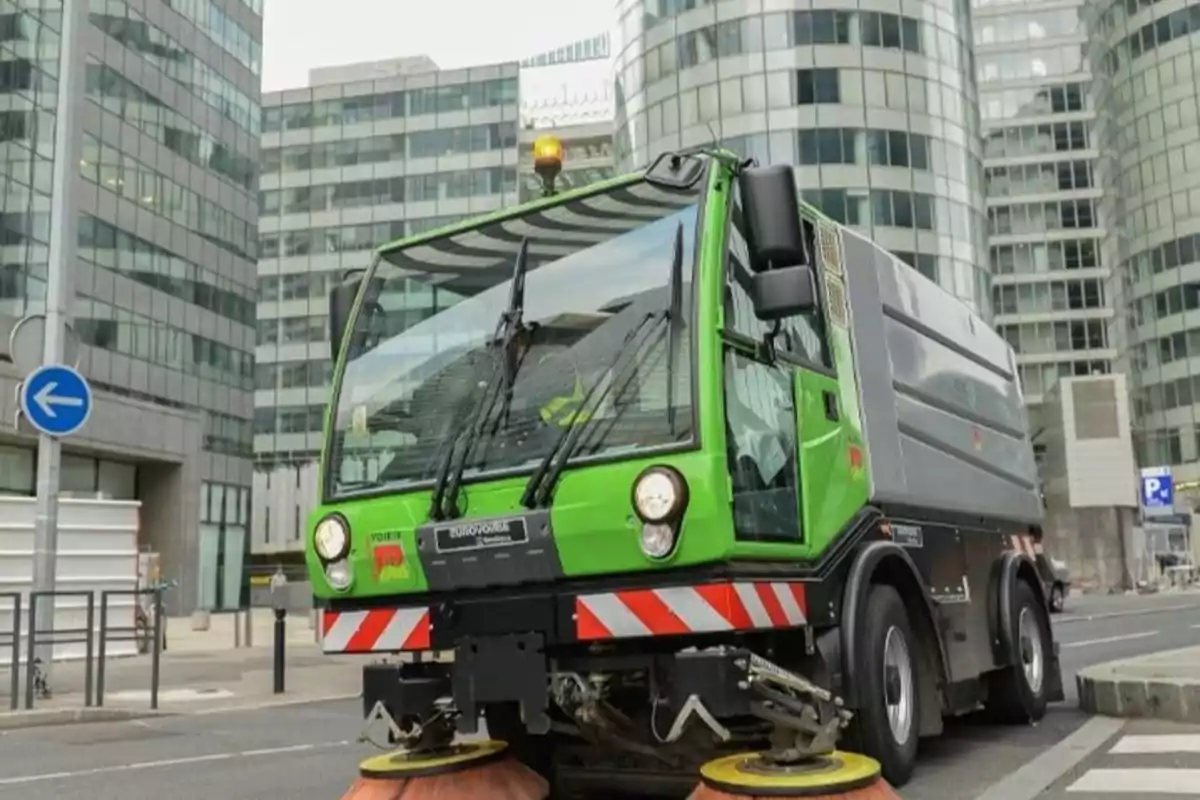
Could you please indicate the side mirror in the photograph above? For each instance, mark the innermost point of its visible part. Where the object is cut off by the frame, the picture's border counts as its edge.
(771, 212)
(782, 293)
(341, 303)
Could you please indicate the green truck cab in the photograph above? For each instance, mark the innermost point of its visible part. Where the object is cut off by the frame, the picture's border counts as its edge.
(672, 465)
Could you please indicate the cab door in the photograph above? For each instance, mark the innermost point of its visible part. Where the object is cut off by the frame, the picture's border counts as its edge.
(783, 416)
(760, 411)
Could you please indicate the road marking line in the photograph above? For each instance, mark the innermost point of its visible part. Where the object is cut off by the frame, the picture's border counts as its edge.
(1109, 639)
(1141, 782)
(1035, 776)
(1066, 620)
(170, 762)
(1158, 743)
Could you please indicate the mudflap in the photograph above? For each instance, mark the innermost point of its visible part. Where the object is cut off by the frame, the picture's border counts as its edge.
(499, 669)
(1054, 685)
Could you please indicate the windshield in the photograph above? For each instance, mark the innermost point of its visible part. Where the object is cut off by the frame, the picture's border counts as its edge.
(421, 351)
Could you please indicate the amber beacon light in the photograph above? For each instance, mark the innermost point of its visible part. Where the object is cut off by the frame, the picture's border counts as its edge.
(547, 161)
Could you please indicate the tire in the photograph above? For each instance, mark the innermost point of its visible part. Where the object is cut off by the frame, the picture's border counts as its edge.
(885, 616)
(1056, 599)
(1017, 695)
(504, 723)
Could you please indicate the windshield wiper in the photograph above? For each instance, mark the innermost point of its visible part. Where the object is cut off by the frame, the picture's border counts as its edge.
(675, 318)
(540, 489)
(499, 386)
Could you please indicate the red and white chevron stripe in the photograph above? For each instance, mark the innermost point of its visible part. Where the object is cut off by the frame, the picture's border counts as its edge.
(665, 611)
(376, 630)
(678, 610)
(1027, 545)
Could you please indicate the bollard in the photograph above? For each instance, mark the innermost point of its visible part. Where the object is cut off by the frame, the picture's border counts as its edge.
(280, 637)
(156, 650)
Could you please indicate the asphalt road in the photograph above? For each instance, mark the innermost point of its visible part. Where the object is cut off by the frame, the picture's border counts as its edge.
(972, 755)
(307, 752)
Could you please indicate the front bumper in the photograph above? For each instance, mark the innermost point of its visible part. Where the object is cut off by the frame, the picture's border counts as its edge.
(514, 669)
(568, 617)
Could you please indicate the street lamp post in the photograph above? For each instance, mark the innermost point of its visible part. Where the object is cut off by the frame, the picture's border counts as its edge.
(64, 231)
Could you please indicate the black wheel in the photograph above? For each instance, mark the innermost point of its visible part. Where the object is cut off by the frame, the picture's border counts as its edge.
(536, 752)
(1056, 598)
(1017, 693)
(885, 726)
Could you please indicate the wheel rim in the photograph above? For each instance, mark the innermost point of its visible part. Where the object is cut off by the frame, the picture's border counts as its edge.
(900, 707)
(1032, 658)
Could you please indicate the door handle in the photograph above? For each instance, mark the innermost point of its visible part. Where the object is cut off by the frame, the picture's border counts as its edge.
(831, 406)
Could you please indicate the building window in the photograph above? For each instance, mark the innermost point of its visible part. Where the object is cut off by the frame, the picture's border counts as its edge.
(817, 86)
(16, 471)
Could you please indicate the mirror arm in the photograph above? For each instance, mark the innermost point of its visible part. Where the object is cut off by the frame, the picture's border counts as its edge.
(766, 351)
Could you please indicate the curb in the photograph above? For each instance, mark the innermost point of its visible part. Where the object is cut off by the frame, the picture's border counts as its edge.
(20, 720)
(1104, 690)
(266, 704)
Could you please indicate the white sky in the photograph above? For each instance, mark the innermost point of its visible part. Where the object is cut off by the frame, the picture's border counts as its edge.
(302, 34)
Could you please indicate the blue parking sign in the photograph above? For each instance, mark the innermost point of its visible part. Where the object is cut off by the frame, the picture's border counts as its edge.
(1158, 489)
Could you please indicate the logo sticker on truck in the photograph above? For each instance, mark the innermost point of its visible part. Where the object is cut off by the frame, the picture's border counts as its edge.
(387, 557)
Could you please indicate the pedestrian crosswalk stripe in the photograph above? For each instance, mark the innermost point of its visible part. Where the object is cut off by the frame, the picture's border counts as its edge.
(1159, 743)
(1139, 781)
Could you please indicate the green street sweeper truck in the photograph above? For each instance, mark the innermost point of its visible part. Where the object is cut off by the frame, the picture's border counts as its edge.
(673, 466)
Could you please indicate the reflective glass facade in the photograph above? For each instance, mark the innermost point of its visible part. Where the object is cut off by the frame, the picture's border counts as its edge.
(164, 280)
(1148, 98)
(1045, 231)
(878, 110)
(347, 167)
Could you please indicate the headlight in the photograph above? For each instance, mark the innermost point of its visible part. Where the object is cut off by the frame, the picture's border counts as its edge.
(339, 576)
(657, 540)
(331, 539)
(659, 495)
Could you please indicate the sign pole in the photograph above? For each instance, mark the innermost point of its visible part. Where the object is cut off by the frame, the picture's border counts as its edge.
(64, 232)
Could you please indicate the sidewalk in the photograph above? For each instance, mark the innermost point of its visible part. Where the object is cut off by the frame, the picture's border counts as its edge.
(1162, 686)
(190, 682)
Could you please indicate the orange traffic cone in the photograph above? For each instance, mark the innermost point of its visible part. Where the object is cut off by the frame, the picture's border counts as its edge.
(474, 771)
(750, 776)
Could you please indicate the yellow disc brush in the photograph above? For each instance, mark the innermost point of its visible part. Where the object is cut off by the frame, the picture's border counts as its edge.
(470, 771)
(748, 776)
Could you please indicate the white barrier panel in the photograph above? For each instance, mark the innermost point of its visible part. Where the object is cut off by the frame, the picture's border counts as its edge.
(97, 551)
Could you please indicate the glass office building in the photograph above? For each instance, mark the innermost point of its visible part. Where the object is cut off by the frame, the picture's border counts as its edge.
(1049, 275)
(366, 154)
(1144, 54)
(164, 281)
(877, 109)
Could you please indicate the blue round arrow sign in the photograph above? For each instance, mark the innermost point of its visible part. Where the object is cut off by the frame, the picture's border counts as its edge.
(56, 400)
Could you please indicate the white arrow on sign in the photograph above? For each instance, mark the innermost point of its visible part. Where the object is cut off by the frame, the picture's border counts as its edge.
(46, 400)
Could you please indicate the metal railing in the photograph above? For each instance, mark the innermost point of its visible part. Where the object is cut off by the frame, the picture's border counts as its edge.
(54, 636)
(132, 633)
(12, 638)
(94, 638)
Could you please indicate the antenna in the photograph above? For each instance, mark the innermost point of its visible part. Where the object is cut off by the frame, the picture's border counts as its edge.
(716, 140)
